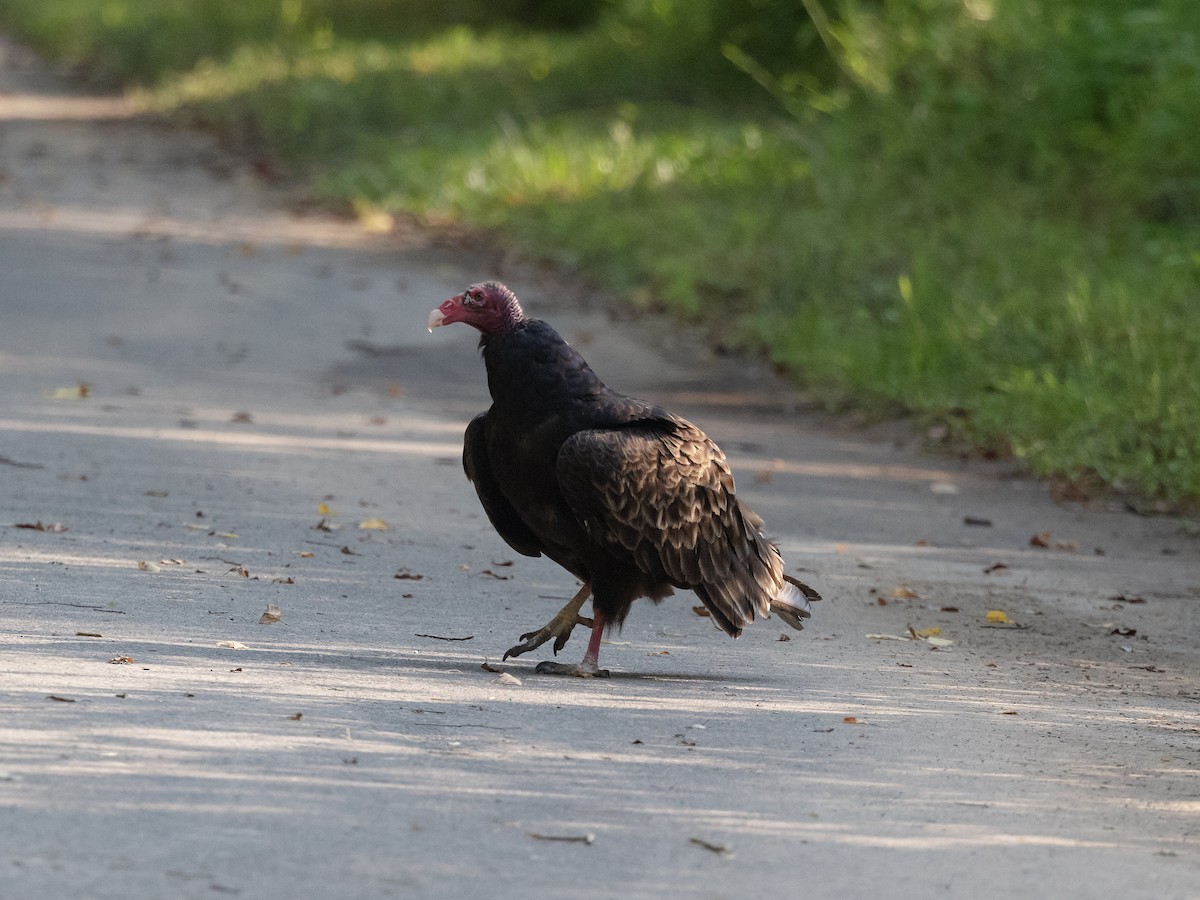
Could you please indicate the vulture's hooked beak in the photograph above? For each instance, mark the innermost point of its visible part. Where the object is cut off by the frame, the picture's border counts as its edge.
(445, 314)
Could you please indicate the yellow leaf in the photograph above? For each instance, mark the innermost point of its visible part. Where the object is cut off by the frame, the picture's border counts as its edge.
(999, 616)
(228, 535)
(374, 525)
(903, 593)
(323, 509)
(926, 632)
(75, 392)
(306, 554)
(376, 221)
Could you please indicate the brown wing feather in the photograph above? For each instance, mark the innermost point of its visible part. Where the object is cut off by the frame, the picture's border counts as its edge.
(664, 498)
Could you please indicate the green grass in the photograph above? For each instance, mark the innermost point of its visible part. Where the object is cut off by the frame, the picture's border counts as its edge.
(986, 213)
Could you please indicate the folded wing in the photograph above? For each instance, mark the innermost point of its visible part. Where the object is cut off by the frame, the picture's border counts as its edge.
(659, 492)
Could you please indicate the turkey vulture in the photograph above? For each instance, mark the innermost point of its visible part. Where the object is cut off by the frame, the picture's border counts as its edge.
(632, 500)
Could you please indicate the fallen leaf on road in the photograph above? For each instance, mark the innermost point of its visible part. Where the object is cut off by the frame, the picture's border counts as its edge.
(376, 221)
(488, 667)
(272, 615)
(148, 566)
(784, 637)
(88, 634)
(240, 570)
(850, 720)
(1121, 598)
(122, 660)
(374, 525)
(924, 632)
(506, 678)
(939, 641)
(323, 509)
(230, 535)
(326, 525)
(887, 637)
(232, 645)
(496, 575)
(1008, 712)
(53, 527)
(903, 593)
(719, 849)
(75, 392)
(1045, 539)
(998, 616)
(406, 575)
(1124, 632)
(995, 567)
(701, 611)
(306, 554)
(59, 699)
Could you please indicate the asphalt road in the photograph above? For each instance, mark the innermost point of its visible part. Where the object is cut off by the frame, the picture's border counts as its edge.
(259, 385)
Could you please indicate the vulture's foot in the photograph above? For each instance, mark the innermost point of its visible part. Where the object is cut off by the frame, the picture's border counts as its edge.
(580, 670)
(559, 628)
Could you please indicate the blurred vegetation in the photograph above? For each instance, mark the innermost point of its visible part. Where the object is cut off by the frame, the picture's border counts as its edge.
(986, 212)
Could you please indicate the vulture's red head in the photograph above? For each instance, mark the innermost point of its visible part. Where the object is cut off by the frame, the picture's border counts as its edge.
(488, 306)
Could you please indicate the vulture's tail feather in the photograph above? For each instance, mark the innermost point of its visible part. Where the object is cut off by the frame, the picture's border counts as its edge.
(793, 604)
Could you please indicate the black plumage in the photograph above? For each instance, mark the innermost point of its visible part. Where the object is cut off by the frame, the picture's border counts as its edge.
(631, 499)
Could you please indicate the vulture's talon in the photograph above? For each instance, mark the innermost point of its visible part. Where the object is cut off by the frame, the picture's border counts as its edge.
(561, 640)
(579, 670)
(559, 628)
